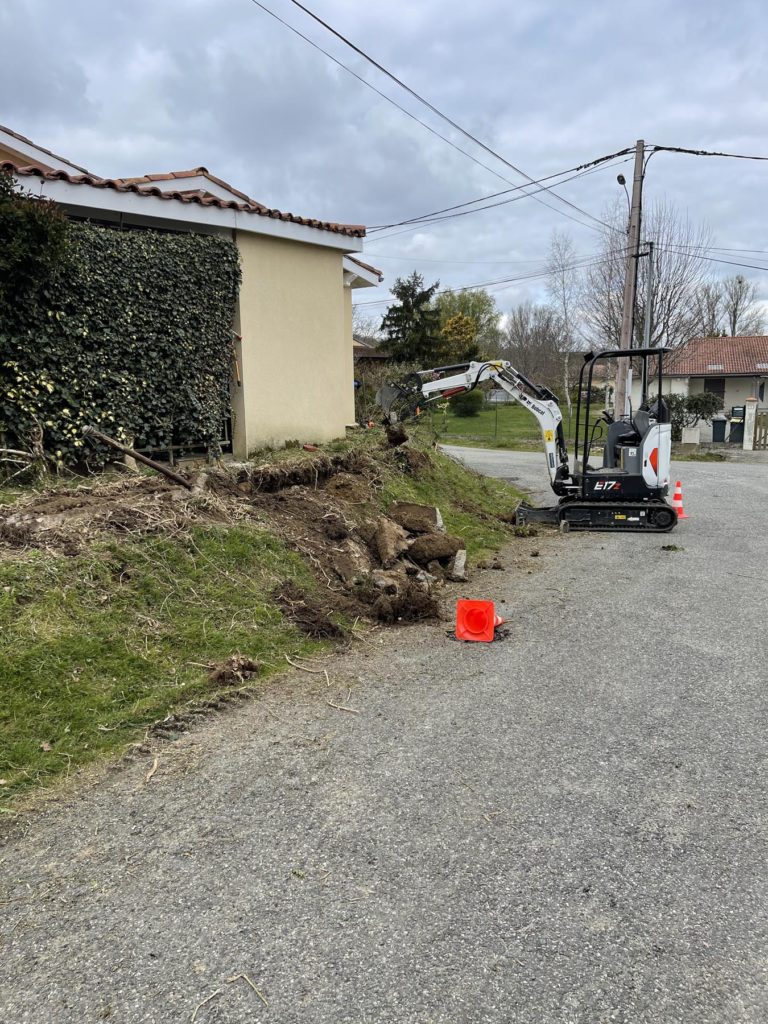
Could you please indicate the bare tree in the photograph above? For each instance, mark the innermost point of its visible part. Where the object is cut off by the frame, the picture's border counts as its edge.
(708, 309)
(565, 287)
(677, 276)
(741, 313)
(366, 326)
(531, 341)
(728, 307)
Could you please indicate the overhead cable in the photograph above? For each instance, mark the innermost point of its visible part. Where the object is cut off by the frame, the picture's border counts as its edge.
(425, 102)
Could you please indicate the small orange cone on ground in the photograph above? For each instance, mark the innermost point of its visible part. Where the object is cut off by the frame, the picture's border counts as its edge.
(677, 501)
(476, 620)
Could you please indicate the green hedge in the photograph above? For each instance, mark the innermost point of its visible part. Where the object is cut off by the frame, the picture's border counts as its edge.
(131, 333)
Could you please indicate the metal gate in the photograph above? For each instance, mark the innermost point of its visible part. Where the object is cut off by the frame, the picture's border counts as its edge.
(761, 430)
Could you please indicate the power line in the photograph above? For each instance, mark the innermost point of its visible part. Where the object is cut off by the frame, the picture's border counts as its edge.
(378, 92)
(505, 281)
(704, 152)
(713, 259)
(434, 109)
(462, 213)
(576, 172)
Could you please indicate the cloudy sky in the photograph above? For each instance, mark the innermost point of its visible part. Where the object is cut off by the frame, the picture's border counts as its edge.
(147, 86)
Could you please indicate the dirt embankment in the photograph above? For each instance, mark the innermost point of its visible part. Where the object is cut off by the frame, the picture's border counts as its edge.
(383, 563)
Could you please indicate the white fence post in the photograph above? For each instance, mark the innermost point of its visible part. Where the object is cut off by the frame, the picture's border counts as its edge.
(750, 422)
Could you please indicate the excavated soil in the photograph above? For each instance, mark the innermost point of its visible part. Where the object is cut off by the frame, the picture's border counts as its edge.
(324, 507)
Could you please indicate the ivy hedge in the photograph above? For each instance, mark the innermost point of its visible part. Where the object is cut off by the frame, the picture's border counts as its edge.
(131, 332)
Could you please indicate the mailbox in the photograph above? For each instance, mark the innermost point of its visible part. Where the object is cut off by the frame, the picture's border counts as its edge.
(738, 413)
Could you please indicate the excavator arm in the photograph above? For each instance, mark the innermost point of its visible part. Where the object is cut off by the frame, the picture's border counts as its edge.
(419, 390)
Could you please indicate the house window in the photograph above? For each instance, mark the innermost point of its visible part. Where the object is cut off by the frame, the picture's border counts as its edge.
(716, 386)
(761, 392)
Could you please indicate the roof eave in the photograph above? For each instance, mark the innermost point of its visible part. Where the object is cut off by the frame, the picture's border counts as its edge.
(90, 200)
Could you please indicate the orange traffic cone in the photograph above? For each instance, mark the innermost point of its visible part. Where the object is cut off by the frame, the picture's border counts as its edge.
(677, 501)
(476, 620)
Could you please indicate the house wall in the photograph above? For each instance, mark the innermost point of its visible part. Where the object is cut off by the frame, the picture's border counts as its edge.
(350, 351)
(296, 361)
(737, 391)
(669, 386)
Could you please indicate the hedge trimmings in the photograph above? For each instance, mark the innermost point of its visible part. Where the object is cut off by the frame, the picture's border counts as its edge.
(132, 334)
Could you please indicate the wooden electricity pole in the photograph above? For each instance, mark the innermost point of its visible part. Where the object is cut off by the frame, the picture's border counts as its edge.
(630, 281)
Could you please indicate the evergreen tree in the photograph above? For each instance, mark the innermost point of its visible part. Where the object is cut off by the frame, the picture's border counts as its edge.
(411, 325)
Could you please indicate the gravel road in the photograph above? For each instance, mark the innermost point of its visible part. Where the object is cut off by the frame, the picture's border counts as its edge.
(565, 827)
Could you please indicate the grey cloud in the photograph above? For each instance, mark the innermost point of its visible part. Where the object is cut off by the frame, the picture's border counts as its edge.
(128, 89)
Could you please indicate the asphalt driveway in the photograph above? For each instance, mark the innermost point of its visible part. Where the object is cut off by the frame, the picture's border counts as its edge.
(566, 826)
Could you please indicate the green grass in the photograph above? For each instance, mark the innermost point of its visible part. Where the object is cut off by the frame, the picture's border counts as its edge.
(505, 426)
(93, 649)
(470, 504)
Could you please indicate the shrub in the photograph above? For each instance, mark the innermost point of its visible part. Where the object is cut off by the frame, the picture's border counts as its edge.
(467, 404)
(131, 333)
(687, 410)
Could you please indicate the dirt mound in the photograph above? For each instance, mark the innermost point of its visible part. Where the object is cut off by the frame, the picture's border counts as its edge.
(349, 487)
(234, 670)
(268, 479)
(411, 604)
(307, 612)
(324, 506)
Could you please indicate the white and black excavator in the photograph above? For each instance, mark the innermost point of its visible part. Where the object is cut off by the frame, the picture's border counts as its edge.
(626, 492)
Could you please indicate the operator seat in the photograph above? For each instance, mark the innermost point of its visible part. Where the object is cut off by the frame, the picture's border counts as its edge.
(641, 423)
(625, 434)
(619, 432)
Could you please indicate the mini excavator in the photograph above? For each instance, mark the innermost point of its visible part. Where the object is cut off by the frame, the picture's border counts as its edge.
(626, 492)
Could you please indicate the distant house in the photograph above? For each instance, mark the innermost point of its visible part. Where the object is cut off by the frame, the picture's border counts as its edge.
(734, 369)
(295, 305)
(368, 350)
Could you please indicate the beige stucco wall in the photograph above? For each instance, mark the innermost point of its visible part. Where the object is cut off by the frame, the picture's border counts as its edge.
(296, 349)
(669, 386)
(737, 389)
(350, 370)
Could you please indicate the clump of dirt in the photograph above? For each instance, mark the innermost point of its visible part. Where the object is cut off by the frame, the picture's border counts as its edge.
(396, 434)
(307, 612)
(410, 604)
(350, 487)
(22, 534)
(334, 527)
(268, 479)
(411, 460)
(234, 670)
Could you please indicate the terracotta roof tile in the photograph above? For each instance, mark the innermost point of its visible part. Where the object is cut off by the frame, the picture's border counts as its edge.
(745, 355)
(29, 142)
(142, 187)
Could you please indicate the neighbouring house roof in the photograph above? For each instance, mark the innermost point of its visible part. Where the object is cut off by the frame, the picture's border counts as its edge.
(147, 187)
(743, 356)
(366, 348)
(28, 144)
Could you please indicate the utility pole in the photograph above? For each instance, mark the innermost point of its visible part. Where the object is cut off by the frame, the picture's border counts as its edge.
(648, 325)
(630, 281)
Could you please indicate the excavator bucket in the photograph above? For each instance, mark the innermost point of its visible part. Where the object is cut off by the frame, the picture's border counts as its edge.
(397, 402)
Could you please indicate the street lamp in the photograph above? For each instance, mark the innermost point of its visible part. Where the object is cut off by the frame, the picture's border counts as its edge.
(623, 182)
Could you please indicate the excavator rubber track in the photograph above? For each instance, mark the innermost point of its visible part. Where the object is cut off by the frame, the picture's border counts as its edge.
(625, 516)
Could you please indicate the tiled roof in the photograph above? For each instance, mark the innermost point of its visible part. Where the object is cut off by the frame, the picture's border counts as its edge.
(145, 187)
(29, 142)
(195, 172)
(746, 355)
(367, 266)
